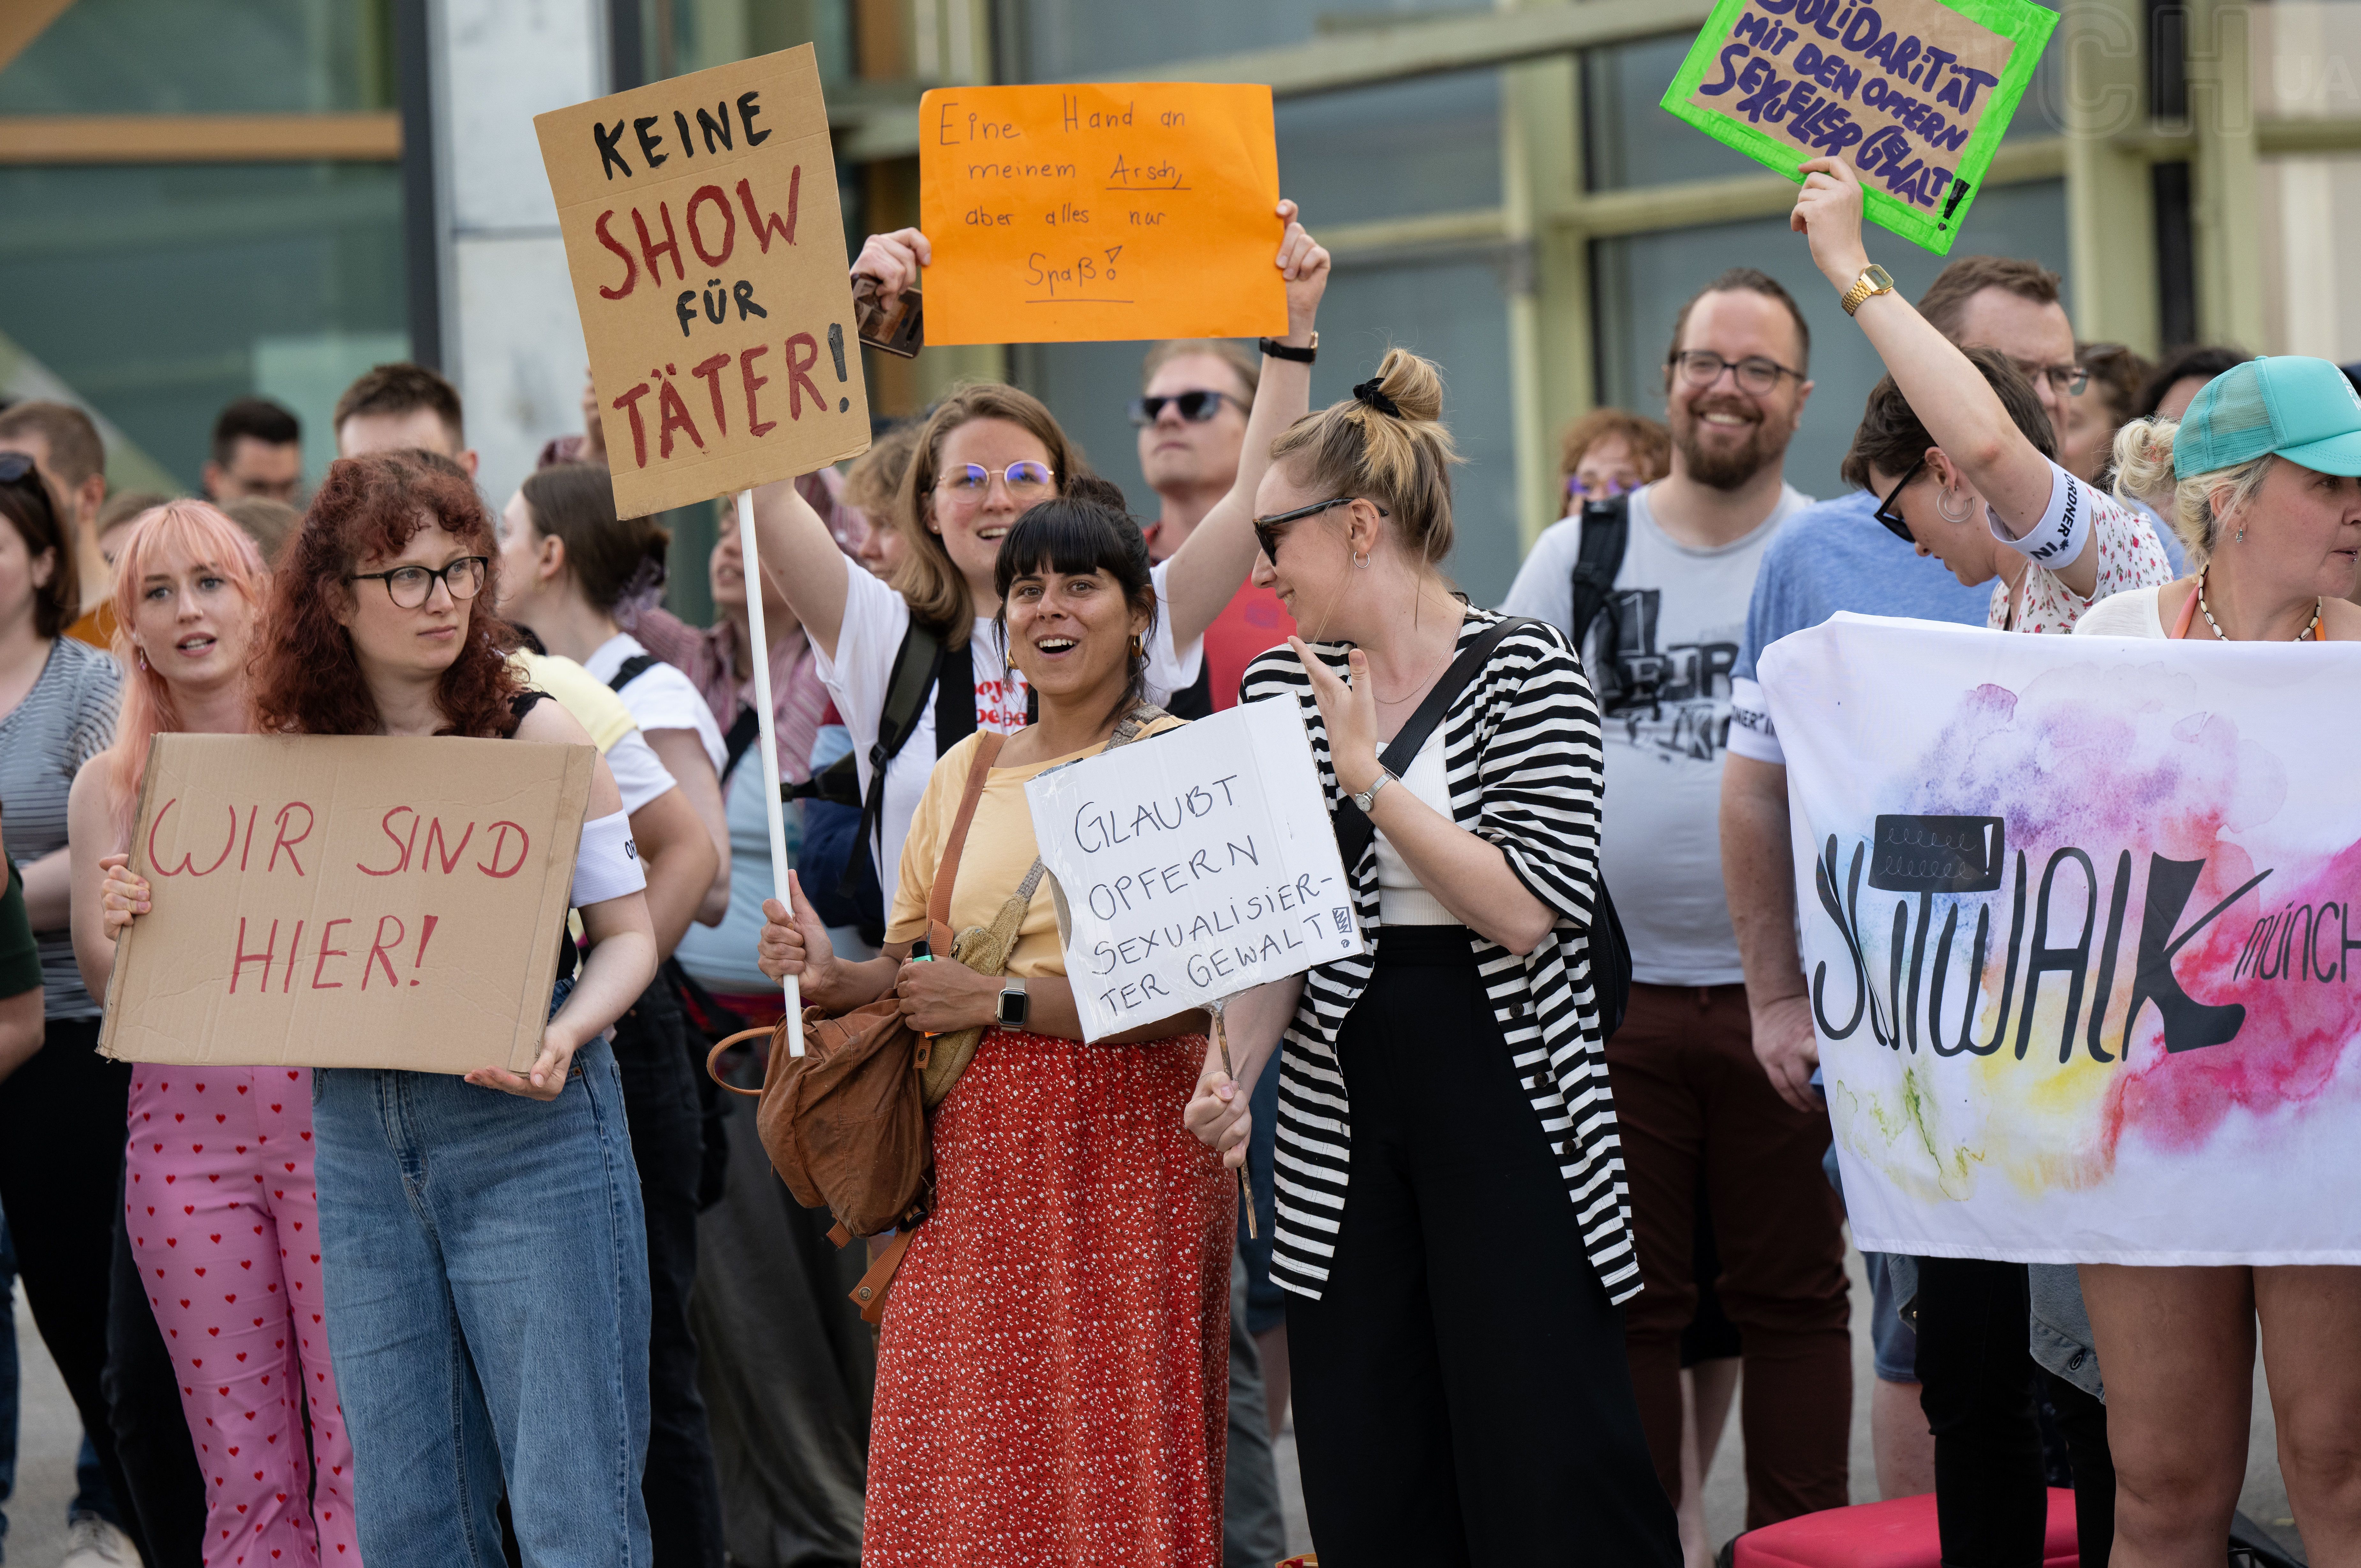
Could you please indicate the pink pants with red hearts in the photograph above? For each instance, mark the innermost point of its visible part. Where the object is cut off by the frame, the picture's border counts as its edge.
(224, 1224)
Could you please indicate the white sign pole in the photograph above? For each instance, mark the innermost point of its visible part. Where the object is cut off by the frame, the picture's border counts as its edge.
(774, 810)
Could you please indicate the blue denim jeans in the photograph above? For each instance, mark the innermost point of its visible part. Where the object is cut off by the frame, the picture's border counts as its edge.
(487, 1277)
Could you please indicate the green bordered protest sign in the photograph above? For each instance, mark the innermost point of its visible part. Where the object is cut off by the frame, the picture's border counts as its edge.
(1914, 94)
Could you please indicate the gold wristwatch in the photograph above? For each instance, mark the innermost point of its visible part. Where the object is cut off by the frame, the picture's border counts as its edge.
(1873, 280)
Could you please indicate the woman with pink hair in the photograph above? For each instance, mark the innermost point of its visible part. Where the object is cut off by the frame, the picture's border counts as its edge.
(223, 1216)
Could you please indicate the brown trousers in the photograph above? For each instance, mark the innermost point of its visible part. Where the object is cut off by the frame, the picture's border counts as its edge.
(1696, 1109)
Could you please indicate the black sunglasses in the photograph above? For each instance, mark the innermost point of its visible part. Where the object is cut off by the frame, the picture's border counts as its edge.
(1895, 522)
(13, 465)
(1266, 529)
(1194, 407)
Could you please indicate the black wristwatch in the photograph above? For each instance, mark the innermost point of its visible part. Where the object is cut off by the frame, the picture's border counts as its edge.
(1278, 350)
(1014, 1005)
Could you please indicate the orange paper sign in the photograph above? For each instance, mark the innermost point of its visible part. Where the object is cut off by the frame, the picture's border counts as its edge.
(1087, 212)
(701, 230)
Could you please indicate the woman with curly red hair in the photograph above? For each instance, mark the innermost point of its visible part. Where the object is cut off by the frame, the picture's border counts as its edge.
(484, 1246)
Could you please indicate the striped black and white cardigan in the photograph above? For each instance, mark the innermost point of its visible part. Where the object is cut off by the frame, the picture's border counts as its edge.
(1521, 752)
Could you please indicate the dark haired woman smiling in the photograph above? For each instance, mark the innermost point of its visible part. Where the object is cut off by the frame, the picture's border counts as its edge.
(1050, 1386)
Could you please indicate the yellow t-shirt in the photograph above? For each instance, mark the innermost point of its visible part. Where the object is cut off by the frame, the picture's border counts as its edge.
(1000, 849)
(580, 693)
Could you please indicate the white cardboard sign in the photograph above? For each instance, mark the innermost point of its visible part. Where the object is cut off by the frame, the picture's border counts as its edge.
(1191, 866)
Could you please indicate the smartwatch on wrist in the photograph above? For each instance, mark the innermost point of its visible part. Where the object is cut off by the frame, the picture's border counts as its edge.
(1015, 1004)
(1872, 281)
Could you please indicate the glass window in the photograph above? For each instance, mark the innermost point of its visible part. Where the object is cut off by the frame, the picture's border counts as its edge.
(128, 57)
(1641, 281)
(1431, 146)
(1450, 310)
(159, 293)
(1065, 40)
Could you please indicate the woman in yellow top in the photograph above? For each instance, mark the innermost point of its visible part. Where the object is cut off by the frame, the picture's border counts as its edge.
(1052, 1384)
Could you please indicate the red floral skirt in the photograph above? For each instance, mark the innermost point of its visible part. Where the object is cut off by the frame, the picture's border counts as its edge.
(1053, 1381)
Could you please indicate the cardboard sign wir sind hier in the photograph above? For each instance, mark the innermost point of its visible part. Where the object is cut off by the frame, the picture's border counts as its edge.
(349, 901)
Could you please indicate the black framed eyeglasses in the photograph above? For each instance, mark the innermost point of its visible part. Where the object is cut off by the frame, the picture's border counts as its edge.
(411, 586)
(1266, 529)
(1194, 407)
(1893, 521)
(1757, 374)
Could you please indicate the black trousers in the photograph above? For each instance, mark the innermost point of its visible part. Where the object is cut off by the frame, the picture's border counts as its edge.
(151, 1427)
(1461, 1391)
(61, 1166)
(682, 1492)
(1977, 1378)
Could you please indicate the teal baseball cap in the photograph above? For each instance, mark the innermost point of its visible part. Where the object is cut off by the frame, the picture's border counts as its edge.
(2291, 405)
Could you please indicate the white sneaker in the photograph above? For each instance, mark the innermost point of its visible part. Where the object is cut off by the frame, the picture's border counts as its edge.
(92, 1542)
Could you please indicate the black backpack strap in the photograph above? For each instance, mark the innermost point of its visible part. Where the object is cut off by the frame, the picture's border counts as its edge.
(1354, 829)
(744, 730)
(917, 669)
(1606, 530)
(635, 667)
(954, 699)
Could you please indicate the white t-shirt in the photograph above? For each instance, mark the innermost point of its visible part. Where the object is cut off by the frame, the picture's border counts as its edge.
(639, 773)
(1403, 899)
(875, 617)
(1660, 653)
(2132, 613)
(659, 696)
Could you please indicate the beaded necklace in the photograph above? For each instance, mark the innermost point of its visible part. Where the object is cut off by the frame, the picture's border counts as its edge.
(2311, 630)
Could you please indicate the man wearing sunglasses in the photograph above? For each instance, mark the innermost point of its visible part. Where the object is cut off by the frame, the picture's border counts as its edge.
(1190, 415)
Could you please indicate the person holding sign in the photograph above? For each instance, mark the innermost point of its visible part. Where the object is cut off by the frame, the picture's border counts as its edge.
(1048, 1383)
(1452, 1216)
(189, 586)
(2262, 479)
(484, 1234)
(984, 455)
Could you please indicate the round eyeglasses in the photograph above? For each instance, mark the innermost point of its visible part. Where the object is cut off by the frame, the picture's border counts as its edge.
(1027, 481)
(411, 586)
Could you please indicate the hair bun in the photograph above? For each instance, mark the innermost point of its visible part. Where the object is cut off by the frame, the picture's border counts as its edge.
(1413, 384)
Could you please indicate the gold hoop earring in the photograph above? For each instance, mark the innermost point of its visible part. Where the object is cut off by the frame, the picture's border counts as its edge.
(1138, 651)
(1967, 509)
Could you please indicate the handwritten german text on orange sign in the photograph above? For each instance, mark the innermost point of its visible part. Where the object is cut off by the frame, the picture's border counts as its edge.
(744, 367)
(1072, 213)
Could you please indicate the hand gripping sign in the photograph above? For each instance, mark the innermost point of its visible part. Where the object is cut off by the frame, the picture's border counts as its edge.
(744, 367)
(348, 901)
(1098, 211)
(1914, 94)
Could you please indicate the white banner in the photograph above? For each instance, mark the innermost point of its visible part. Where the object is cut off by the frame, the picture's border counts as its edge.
(2078, 927)
(1191, 866)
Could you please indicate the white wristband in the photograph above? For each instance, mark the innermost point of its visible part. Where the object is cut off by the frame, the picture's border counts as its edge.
(2063, 533)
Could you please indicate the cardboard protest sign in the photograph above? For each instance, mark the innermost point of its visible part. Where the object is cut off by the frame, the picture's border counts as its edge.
(2079, 917)
(348, 901)
(701, 228)
(1192, 867)
(1914, 94)
(1087, 212)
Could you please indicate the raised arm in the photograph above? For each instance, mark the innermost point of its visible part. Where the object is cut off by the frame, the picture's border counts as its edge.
(1950, 395)
(800, 555)
(1207, 569)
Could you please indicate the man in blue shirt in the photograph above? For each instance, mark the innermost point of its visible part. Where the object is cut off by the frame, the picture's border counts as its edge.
(1836, 557)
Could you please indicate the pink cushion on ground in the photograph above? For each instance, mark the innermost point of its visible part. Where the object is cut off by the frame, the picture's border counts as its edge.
(1899, 1534)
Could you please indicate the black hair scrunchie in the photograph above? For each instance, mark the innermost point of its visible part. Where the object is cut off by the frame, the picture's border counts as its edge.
(1369, 393)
